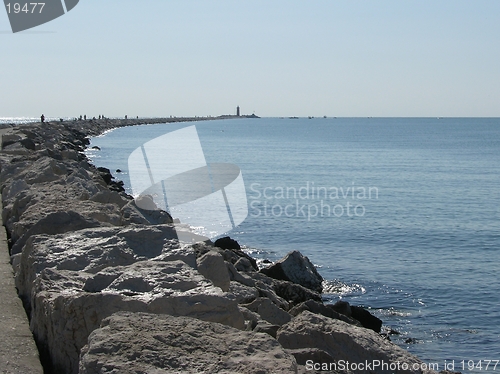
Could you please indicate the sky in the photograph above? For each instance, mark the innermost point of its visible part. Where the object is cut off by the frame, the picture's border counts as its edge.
(273, 58)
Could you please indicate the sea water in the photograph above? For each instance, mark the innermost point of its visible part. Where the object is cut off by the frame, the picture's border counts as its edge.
(400, 215)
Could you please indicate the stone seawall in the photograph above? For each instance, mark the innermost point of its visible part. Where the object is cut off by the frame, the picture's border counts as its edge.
(109, 288)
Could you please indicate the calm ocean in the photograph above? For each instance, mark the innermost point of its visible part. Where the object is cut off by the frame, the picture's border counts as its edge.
(401, 215)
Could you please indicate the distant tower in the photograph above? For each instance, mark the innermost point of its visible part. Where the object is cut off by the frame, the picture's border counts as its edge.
(238, 111)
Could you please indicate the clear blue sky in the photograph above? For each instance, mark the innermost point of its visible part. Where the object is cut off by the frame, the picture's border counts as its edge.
(274, 57)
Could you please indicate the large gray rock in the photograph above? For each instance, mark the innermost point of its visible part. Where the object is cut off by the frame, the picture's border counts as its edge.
(145, 343)
(55, 207)
(19, 196)
(232, 252)
(12, 189)
(213, 267)
(311, 336)
(49, 196)
(235, 275)
(319, 308)
(16, 149)
(267, 328)
(45, 169)
(284, 294)
(268, 311)
(51, 223)
(360, 314)
(367, 319)
(227, 243)
(294, 293)
(135, 214)
(9, 138)
(241, 293)
(296, 268)
(92, 250)
(66, 306)
(109, 197)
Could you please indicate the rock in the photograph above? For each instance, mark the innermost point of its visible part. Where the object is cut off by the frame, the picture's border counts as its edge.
(14, 188)
(233, 252)
(319, 308)
(244, 264)
(172, 251)
(145, 343)
(296, 268)
(234, 275)
(367, 319)
(251, 318)
(50, 197)
(242, 294)
(264, 291)
(105, 174)
(19, 196)
(25, 204)
(315, 355)
(92, 250)
(212, 266)
(393, 332)
(52, 223)
(109, 197)
(55, 154)
(264, 286)
(64, 313)
(227, 243)
(8, 139)
(268, 311)
(342, 307)
(28, 143)
(145, 202)
(283, 293)
(294, 293)
(133, 214)
(100, 281)
(289, 292)
(315, 337)
(15, 149)
(228, 254)
(267, 328)
(69, 154)
(43, 170)
(116, 186)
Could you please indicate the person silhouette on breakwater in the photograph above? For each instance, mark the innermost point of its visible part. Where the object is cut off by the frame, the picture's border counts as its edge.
(42, 118)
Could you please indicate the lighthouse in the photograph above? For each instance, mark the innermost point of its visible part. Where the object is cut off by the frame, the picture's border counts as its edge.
(238, 111)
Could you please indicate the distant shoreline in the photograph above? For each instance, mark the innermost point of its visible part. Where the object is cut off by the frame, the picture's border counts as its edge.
(93, 127)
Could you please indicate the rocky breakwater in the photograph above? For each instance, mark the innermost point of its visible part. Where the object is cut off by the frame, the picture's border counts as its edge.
(109, 288)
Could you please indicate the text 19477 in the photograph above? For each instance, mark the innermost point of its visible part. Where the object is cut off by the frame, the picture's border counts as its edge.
(24, 7)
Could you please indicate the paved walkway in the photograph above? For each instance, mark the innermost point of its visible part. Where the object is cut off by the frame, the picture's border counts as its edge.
(18, 352)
